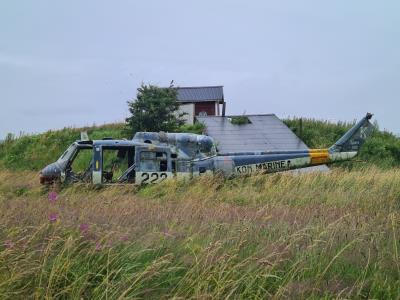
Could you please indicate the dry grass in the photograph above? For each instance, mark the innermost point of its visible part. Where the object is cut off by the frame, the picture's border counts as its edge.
(279, 236)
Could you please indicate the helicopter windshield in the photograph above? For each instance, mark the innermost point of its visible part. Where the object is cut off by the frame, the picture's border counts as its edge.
(67, 154)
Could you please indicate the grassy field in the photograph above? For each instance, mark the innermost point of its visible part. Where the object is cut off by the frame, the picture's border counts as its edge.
(332, 235)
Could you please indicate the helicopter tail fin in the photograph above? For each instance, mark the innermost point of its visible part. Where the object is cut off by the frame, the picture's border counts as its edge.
(353, 139)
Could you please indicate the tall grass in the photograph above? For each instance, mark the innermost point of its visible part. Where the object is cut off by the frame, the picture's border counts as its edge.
(330, 235)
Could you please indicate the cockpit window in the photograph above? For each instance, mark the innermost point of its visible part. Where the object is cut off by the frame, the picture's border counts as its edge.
(82, 162)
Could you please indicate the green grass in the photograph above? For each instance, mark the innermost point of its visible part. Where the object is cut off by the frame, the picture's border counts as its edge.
(197, 128)
(239, 120)
(313, 236)
(317, 133)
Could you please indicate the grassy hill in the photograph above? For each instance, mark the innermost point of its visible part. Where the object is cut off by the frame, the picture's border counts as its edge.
(32, 152)
(315, 236)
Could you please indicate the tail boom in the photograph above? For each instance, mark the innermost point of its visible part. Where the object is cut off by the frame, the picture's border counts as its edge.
(324, 156)
(346, 147)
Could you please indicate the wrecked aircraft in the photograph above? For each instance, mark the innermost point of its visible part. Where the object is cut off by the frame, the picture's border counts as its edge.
(152, 157)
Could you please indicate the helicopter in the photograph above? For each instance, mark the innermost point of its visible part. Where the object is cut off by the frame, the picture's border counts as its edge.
(152, 157)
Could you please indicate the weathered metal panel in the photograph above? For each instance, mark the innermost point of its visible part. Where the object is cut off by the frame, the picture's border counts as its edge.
(263, 133)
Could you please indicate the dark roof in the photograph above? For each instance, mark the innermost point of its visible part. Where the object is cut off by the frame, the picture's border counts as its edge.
(201, 94)
(264, 133)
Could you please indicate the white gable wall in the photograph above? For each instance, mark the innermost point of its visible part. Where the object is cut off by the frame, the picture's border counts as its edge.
(187, 108)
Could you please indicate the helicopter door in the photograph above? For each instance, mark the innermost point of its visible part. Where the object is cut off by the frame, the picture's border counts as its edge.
(153, 165)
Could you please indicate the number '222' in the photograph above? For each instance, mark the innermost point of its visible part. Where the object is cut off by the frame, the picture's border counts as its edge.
(153, 177)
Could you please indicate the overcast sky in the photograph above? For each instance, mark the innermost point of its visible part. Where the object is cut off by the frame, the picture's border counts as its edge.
(75, 63)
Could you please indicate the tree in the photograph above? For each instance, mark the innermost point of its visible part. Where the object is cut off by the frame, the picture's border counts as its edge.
(154, 109)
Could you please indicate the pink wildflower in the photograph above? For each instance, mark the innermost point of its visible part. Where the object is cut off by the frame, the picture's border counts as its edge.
(53, 217)
(52, 197)
(84, 228)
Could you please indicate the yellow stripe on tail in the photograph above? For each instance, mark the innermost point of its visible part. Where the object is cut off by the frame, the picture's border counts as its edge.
(319, 156)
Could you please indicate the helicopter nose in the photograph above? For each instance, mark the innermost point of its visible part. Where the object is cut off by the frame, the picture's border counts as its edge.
(50, 173)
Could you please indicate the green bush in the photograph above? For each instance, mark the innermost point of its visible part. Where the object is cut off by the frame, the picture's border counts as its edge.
(240, 120)
(197, 128)
(316, 133)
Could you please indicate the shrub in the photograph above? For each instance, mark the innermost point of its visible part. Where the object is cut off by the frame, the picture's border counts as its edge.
(239, 120)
